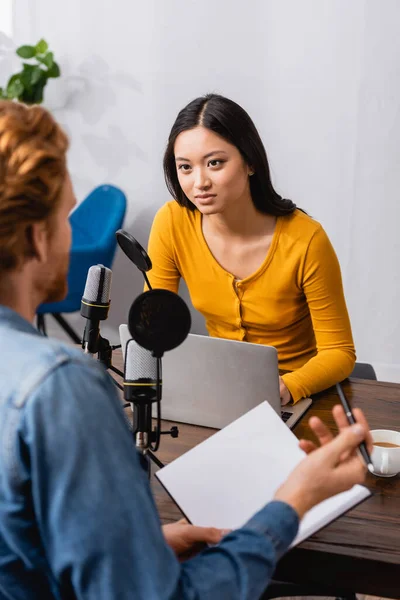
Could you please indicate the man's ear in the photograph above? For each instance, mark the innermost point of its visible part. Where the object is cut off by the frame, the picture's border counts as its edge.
(38, 241)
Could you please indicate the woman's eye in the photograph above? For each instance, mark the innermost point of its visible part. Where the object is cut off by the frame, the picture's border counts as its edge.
(184, 167)
(215, 163)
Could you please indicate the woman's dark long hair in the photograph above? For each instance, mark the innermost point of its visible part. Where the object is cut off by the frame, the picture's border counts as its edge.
(230, 121)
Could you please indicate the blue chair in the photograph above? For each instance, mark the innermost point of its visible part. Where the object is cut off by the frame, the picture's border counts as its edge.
(94, 223)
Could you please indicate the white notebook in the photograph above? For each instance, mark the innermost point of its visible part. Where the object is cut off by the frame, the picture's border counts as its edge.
(227, 478)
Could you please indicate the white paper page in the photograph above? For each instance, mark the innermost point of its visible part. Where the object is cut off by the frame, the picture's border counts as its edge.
(328, 511)
(227, 478)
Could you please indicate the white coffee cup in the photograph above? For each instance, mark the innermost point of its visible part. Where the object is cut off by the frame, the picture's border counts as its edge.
(386, 460)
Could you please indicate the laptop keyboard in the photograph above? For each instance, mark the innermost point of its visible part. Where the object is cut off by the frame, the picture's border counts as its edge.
(285, 416)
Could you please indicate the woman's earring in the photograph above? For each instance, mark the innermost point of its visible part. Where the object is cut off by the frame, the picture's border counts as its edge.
(251, 173)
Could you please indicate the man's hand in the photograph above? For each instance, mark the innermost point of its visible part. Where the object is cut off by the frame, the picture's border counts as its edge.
(284, 393)
(323, 433)
(330, 469)
(187, 540)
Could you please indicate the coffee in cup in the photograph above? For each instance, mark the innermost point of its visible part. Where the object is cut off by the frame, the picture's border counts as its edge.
(386, 445)
(386, 452)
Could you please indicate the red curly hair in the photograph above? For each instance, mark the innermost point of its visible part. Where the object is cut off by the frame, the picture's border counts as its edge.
(32, 172)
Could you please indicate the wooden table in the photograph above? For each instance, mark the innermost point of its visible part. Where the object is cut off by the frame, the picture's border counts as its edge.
(361, 550)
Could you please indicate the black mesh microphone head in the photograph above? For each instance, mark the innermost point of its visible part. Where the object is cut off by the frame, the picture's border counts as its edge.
(133, 250)
(96, 297)
(159, 320)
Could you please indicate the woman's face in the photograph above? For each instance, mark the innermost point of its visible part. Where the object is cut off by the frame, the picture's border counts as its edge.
(211, 172)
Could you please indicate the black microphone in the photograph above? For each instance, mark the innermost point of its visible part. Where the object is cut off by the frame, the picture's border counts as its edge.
(95, 305)
(135, 252)
(159, 320)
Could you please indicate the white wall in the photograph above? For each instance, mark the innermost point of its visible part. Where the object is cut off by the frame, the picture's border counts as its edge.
(373, 269)
(6, 17)
(6, 43)
(320, 79)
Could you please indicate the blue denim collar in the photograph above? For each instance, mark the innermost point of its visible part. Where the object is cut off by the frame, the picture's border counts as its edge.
(11, 319)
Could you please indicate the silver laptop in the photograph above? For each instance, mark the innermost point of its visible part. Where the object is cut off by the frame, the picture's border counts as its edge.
(213, 381)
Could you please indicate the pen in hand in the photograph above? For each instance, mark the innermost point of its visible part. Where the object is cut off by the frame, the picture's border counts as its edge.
(362, 447)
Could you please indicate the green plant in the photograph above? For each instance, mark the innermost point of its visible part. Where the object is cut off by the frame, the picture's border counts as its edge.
(28, 85)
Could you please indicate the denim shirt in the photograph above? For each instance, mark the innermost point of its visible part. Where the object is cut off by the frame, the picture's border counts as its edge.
(77, 518)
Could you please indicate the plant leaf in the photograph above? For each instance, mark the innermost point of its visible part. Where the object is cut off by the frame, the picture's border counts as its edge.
(38, 92)
(54, 70)
(30, 75)
(28, 67)
(26, 74)
(36, 75)
(13, 78)
(26, 51)
(26, 96)
(15, 87)
(48, 60)
(41, 47)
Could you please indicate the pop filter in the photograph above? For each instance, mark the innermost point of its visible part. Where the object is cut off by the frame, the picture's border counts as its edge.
(133, 250)
(159, 320)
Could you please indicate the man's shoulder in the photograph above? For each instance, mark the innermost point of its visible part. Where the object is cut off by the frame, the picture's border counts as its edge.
(40, 349)
(30, 359)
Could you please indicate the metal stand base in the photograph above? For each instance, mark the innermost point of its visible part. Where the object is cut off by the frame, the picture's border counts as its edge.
(145, 461)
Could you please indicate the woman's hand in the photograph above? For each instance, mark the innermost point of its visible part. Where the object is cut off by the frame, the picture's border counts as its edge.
(284, 393)
(187, 540)
(330, 469)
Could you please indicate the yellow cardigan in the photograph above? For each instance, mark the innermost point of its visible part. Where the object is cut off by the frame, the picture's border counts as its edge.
(294, 301)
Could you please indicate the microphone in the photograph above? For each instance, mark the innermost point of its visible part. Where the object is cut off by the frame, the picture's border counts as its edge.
(142, 387)
(95, 305)
(135, 252)
(159, 320)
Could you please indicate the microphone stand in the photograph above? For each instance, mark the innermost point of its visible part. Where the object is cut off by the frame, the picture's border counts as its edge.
(142, 418)
(142, 413)
(174, 431)
(104, 355)
(146, 279)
